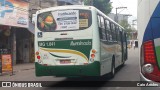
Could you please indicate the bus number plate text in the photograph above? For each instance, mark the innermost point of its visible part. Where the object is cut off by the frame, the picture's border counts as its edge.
(46, 44)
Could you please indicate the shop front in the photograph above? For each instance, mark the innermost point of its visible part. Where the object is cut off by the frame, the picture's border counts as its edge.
(15, 38)
(24, 46)
(5, 39)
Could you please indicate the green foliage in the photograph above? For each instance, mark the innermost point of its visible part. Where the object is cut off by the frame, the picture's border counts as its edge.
(127, 27)
(125, 24)
(103, 5)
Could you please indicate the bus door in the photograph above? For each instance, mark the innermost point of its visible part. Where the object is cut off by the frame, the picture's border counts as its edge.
(121, 42)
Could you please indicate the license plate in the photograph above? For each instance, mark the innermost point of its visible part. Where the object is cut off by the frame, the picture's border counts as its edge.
(65, 61)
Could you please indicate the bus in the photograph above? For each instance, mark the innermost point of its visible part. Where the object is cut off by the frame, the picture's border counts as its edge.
(77, 41)
(149, 41)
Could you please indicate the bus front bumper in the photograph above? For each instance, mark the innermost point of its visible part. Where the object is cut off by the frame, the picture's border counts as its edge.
(92, 69)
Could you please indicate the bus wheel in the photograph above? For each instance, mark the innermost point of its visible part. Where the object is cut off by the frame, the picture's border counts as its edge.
(123, 62)
(112, 73)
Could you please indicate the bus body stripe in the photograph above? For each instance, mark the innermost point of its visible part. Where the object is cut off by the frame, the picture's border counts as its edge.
(67, 51)
(59, 56)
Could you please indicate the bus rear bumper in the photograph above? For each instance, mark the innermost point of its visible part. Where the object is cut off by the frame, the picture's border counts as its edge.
(92, 69)
(143, 79)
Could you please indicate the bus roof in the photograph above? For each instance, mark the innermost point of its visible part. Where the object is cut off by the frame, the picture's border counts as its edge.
(65, 7)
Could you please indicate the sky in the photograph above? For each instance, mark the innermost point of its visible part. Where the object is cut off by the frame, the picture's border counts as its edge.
(131, 8)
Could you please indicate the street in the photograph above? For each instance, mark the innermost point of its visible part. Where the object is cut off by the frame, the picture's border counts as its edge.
(129, 72)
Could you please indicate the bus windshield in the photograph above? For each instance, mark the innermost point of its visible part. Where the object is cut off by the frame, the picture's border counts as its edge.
(64, 20)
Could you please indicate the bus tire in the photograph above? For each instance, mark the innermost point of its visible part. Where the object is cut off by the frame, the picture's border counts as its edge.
(123, 62)
(112, 73)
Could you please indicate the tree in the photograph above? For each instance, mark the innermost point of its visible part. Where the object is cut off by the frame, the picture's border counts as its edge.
(103, 5)
(125, 24)
(127, 27)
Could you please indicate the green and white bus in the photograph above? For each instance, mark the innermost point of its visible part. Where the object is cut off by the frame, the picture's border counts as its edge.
(77, 41)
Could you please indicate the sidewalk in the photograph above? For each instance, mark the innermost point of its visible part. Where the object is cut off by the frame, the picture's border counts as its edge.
(21, 72)
(23, 67)
(19, 68)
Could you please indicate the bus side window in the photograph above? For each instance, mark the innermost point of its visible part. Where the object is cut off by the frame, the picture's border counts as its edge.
(102, 23)
(116, 33)
(120, 34)
(111, 31)
(101, 27)
(99, 21)
(107, 24)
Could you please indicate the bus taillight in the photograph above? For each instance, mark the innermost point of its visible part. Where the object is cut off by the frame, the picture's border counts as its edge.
(92, 56)
(38, 57)
(149, 67)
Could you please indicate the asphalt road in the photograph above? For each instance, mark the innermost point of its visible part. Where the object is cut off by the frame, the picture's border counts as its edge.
(129, 72)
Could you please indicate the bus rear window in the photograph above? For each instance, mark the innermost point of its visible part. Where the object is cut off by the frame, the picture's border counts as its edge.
(64, 20)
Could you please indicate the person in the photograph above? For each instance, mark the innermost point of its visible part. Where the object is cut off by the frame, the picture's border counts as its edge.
(134, 45)
(131, 44)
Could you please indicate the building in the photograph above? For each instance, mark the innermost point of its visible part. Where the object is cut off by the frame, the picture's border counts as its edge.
(17, 29)
(15, 39)
(120, 17)
(70, 2)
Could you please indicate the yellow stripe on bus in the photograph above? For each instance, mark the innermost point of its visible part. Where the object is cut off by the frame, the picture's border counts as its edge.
(66, 51)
